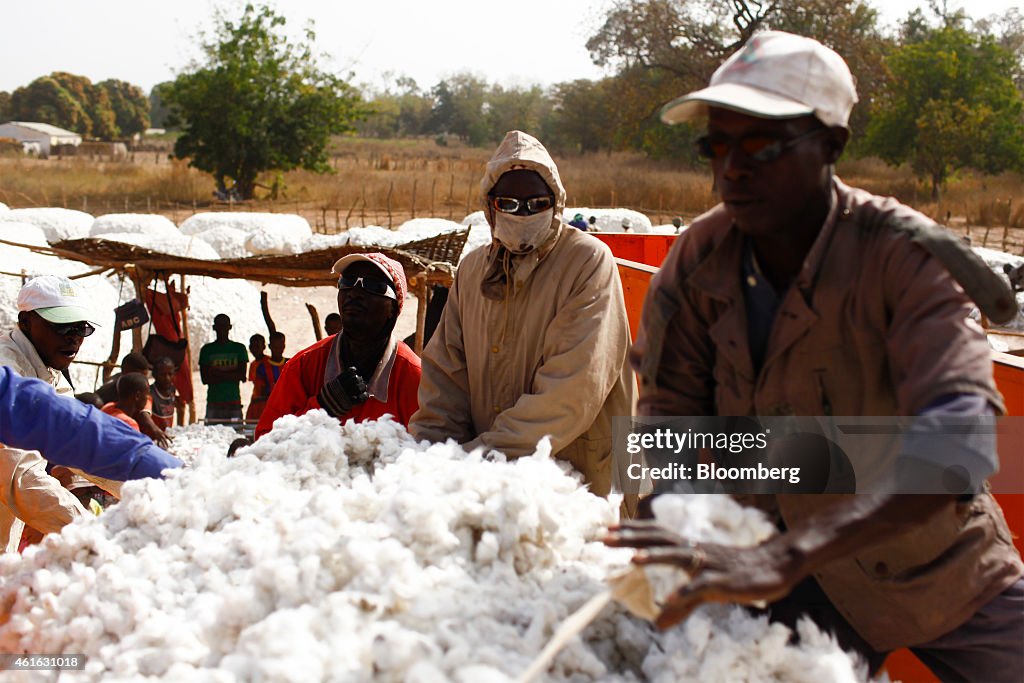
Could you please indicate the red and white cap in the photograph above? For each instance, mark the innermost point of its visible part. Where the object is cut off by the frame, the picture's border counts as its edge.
(776, 75)
(391, 268)
(56, 299)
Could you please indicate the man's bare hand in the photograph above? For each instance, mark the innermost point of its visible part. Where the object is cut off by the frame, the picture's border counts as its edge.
(718, 573)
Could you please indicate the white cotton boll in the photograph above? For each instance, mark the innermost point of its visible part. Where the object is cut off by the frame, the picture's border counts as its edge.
(56, 223)
(268, 240)
(144, 224)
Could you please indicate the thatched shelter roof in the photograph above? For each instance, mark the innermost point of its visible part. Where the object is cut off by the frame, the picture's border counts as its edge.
(433, 260)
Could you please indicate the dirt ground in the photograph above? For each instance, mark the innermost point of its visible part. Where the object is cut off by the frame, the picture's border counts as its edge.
(288, 311)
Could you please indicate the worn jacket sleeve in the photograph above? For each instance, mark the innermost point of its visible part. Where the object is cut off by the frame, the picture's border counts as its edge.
(70, 433)
(31, 494)
(444, 402)
(584, 351)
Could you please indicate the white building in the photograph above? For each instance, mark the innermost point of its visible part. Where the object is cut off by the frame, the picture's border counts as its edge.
(43, 135)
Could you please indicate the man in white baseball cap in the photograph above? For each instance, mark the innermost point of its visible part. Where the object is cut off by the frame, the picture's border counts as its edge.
(800, 296)
(53, 320)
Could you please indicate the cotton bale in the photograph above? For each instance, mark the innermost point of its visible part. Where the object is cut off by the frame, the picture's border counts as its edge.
(141, 223)
(56, 223)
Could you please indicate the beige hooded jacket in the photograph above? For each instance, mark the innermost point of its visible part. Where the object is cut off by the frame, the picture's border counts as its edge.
(531, 345)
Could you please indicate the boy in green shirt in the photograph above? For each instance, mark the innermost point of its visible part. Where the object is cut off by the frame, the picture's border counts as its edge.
(222, 365)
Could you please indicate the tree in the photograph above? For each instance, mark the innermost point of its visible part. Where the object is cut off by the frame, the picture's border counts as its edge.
(5, 106)
(259, 103)
(159, 111)
(129, 104)
(460, 109)
(94, 100)
(46, 100)
(950, 103)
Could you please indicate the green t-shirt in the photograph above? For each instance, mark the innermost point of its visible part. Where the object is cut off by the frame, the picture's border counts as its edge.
(227, 356)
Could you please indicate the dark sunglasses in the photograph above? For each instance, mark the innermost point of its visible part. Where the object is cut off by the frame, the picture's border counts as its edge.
(80, 329)
(757, 147)
(513, 204)
(378, 287)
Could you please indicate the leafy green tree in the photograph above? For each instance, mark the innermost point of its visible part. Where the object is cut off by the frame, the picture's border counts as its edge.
(460, 109)
(47, 101)
(94, 100)
(950, 103)
(259, 103)
(129, 104)
(159, 111)
(5, 106)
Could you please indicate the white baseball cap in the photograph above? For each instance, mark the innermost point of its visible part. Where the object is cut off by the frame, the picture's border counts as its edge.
(776, 75)
(55, 298)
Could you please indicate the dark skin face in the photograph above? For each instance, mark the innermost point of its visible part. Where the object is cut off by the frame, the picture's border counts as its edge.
(277, 348)
(365, 316)
(257, 347)
(164, 376)
(781, 203)
(222, 325)
(521, 184)
(332, 326)
(57, 351)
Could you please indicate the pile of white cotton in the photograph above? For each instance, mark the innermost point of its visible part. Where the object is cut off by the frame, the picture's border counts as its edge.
(142, 223)
(265, 233)
(351, 553)
(58, 224)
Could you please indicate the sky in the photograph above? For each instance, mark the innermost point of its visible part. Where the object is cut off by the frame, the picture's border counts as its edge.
(146, 42)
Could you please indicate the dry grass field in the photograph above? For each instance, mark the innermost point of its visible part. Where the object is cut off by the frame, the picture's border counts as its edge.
(385, 182)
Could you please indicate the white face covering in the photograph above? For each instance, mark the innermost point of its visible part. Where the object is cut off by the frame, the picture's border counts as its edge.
(523, 234)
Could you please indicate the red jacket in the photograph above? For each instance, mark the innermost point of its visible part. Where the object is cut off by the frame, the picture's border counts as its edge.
(303, 376)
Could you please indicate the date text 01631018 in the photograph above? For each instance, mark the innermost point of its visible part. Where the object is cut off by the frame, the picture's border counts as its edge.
(27, 662)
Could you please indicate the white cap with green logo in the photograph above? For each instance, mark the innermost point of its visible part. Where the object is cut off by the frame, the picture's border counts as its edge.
(56, 299)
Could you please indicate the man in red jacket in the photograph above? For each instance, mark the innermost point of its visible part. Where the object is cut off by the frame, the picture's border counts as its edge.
(363, 372)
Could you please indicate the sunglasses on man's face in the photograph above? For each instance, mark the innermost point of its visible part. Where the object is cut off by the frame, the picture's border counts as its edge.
(79, 329)
(761, 148)
(514, 204)
(378, 287)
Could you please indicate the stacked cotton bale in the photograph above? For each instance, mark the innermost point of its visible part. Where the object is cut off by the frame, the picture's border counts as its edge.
(266, 233)
(352, 553)
(127, 223)
(57, 224)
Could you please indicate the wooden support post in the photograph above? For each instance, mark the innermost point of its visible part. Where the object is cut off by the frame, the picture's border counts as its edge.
(451, 197)
(391, 189)
(315, 317)
(422, 295)
(188, 351)
(414, 198)
(433, 186)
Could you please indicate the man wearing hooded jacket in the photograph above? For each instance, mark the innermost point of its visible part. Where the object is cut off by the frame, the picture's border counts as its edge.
(534, 336)
(362, 372)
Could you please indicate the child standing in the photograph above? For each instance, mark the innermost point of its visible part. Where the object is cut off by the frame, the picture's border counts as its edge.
(164, 394)
(264, 373)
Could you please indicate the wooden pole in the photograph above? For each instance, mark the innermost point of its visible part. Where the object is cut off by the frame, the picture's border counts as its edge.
(421, 312)
(188, 352)
(391, 189)
(433, 186)
(414, 198)
(315, 317)
(451, 197)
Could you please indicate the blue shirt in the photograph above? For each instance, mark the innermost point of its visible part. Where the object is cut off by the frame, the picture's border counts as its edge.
(70, 433)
